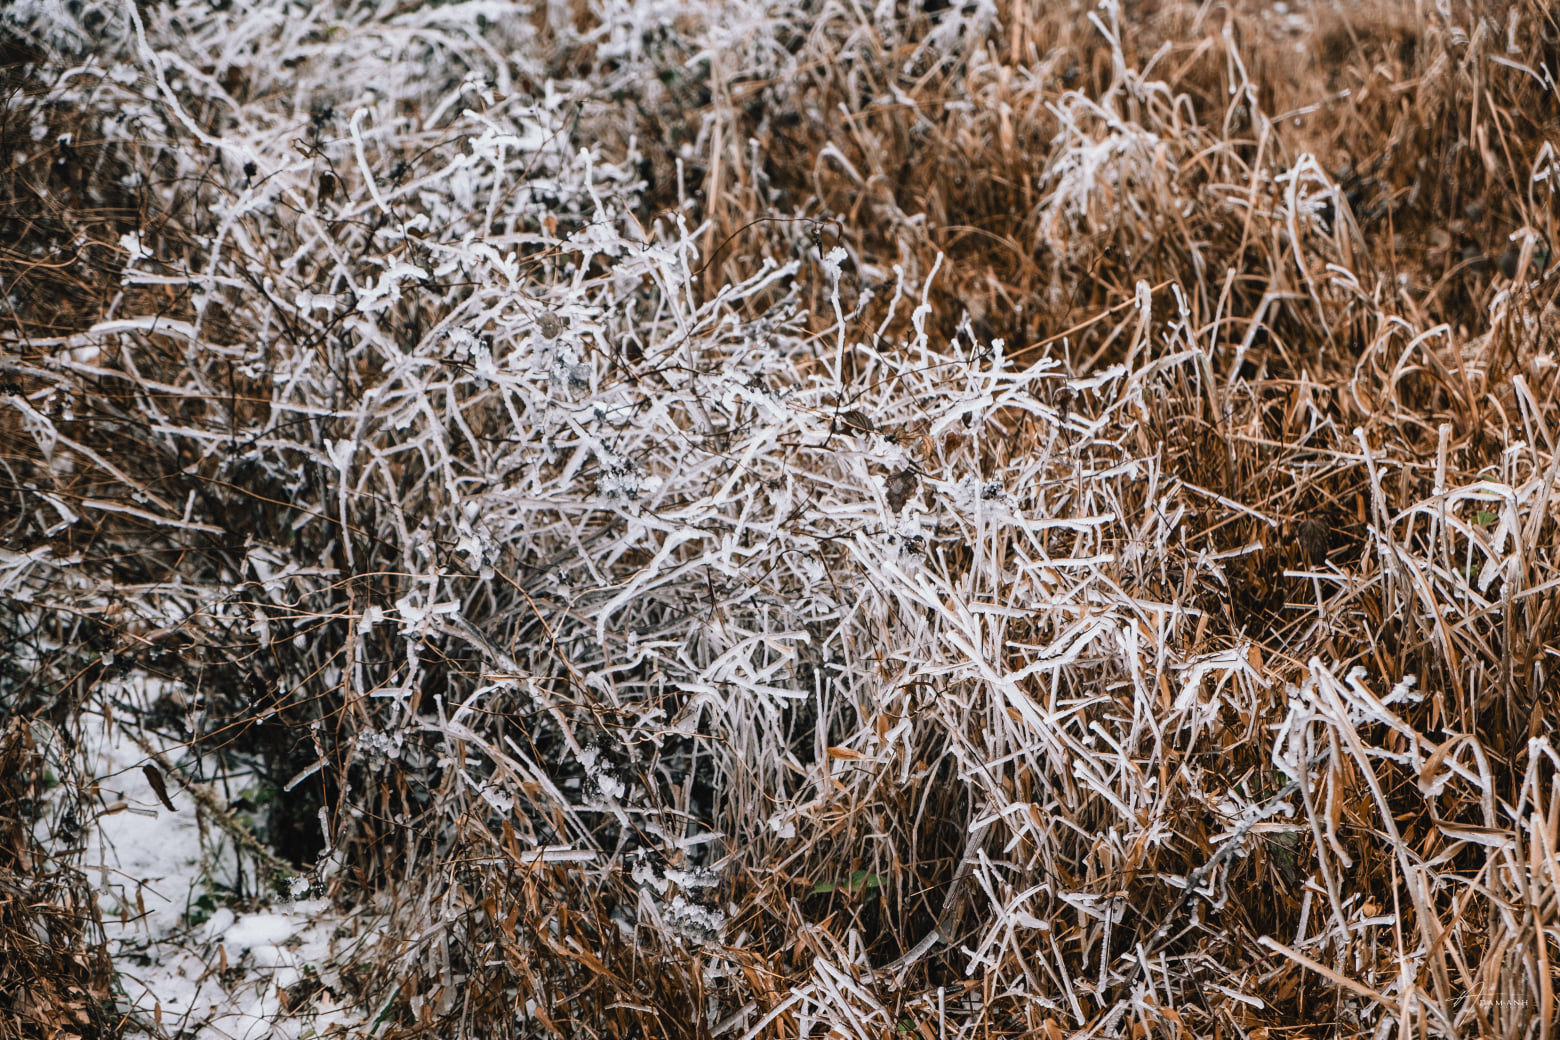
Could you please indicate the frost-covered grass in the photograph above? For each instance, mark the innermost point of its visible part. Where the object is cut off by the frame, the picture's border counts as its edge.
(757, 519)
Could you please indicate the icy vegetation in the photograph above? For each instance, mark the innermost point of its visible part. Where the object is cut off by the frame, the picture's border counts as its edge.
(575, 543)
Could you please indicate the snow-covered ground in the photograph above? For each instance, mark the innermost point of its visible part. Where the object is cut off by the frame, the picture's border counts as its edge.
(200, 949)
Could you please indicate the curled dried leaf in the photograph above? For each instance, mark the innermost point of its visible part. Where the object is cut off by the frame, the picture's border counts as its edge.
(159, 788)
(901, 488)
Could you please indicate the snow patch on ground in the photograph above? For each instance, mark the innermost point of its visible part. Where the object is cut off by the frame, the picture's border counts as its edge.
(191, 959)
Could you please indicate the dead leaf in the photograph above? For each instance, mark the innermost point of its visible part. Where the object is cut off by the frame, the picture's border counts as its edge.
(856, 420)
(160, 789)
(1433, 764)
(327, 189)
(900, 488)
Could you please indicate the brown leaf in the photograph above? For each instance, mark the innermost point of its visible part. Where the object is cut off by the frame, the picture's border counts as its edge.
(1433, 764)
(856, 420)
(154, 777)
(549, 325)
(900, 488)
(327, 189)
(1314, 539)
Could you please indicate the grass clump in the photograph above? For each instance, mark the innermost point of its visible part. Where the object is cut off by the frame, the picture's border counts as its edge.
(772, 519)
(54, 972)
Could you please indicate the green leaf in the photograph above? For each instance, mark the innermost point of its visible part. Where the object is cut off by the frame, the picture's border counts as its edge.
(1484, 518)
(859, 879)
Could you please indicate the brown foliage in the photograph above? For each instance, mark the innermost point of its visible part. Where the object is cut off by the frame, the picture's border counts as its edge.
(54, 967)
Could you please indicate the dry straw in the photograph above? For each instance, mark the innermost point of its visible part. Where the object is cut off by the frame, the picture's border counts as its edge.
(771, 521)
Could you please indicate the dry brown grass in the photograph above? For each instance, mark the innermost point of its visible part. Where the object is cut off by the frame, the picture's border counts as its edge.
(1356, 369)
(54, 970)
(1214, 693)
